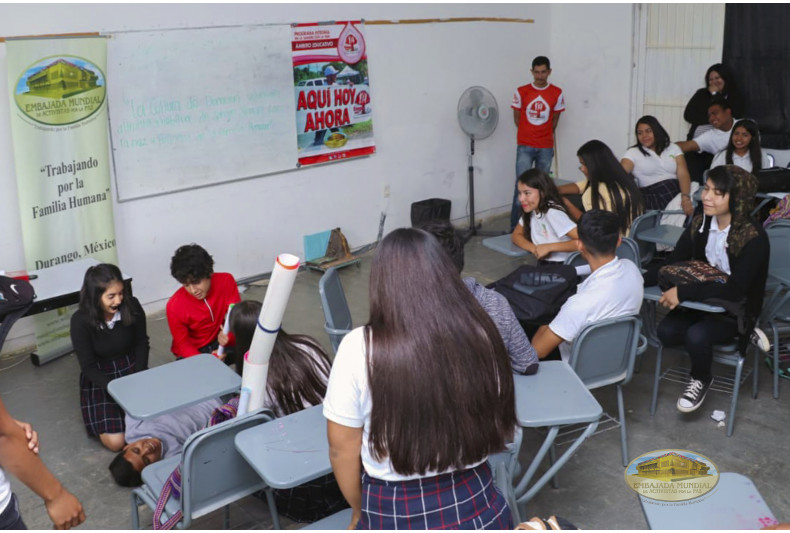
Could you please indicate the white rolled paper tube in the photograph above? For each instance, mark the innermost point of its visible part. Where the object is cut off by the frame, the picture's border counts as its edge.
(257, 362)
(254, 392)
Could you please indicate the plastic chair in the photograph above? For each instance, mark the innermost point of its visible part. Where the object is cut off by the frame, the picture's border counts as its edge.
(775, 315)
(726, 354)
(647, 221)
(336, 313)
(628, 249)
(603, 354)
(213, 475)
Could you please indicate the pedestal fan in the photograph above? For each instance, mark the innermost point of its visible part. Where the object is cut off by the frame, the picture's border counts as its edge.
(478, 116)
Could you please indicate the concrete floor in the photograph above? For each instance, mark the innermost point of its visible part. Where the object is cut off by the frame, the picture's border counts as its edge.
(592, 494)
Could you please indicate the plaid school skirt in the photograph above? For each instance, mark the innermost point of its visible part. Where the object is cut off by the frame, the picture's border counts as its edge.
(467, 499)
(658, 195)
(100, 413)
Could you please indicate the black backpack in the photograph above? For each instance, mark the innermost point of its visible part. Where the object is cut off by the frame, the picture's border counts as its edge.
(536, 293)
(15, 294)
(16, 297)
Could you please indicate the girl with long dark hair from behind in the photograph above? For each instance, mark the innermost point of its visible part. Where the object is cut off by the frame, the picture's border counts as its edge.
(544, 230)
(607, 185)
(420, 397)
(658, 166)
(109, 336)
(744, 148)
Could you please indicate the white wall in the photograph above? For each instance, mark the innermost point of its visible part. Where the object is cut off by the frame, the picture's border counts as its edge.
(417, 73)
(591, 60)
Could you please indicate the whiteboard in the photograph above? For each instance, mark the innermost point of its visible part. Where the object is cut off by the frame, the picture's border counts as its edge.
(195, 107)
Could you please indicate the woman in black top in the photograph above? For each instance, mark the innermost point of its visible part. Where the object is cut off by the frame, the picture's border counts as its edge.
(108, 333)
(718, 82)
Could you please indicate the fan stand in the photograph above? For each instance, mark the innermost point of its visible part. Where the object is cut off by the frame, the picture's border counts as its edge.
(473, 227)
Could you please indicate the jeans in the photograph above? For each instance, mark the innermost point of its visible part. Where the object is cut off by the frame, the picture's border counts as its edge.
(10, 517)
(698, 332)
(526, 156)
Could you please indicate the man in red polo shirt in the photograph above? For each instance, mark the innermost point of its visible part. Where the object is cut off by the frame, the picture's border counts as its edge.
(536, 111)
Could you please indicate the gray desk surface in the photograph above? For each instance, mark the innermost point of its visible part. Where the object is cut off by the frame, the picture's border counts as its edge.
(168, 387)
(288, 451)
(662, 234)
(294, 449)
(735, 503)
(554, 396)
(504, 245)
(653, 294)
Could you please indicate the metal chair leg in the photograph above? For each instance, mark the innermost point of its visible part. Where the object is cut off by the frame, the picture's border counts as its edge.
(272, 507)
(736, 389)
(656, 380)
(623, 433)
(135, 512)
(776, 361)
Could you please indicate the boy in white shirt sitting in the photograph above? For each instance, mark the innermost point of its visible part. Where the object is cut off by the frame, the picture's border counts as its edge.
(614, 289)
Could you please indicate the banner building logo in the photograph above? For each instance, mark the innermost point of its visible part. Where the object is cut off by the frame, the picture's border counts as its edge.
(672, 475)
(60, 90)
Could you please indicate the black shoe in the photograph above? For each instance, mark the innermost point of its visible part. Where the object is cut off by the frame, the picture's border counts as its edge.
(693, 396)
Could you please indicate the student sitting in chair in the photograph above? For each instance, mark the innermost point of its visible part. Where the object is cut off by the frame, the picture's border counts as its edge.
(523, 357)
(157, 438)
(728, 238)
(613, 289)
(196, 312)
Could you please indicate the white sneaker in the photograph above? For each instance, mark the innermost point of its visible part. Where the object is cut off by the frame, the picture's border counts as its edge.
(692, 397)
(760, 339)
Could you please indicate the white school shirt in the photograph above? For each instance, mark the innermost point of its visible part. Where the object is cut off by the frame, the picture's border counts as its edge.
(716, 247)
(5, 491)
(551, 226)
(348, 403)
(714, 140)
(652, 169)
(745, 161)
(614, 290)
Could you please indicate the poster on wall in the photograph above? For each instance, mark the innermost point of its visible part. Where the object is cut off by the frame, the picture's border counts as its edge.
(332, 90)
(57, 91)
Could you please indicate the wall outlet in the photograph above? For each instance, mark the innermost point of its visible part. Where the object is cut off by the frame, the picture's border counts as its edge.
(386, 191)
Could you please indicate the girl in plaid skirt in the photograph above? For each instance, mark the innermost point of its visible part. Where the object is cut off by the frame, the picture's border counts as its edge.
(109, 336)
(420, 397)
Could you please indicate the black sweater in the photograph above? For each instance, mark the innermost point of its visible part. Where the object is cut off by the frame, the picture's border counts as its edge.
(93, 345)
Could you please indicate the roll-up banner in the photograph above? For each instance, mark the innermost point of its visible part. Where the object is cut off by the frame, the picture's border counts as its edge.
(57, 90)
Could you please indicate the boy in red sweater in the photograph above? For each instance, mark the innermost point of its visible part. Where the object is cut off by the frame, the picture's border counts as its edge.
(196, 312)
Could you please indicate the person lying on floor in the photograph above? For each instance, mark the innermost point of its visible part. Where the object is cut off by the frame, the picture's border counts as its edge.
(157, 438)
(298, 371)
(613, 289)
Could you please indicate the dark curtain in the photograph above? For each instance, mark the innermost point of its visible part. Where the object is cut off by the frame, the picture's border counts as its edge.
(757, 49)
